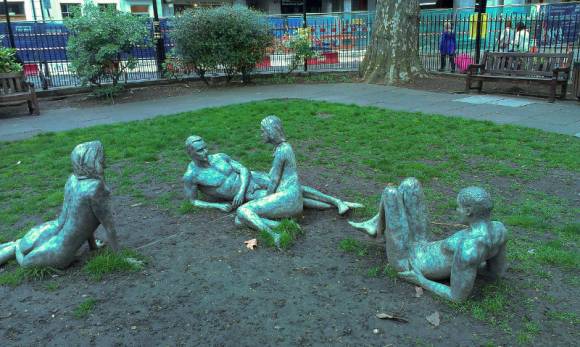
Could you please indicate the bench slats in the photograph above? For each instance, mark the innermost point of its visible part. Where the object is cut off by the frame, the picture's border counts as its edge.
(515, 66)
(13, 88)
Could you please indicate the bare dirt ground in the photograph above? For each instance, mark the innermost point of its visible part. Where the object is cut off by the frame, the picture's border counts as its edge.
(203, 287)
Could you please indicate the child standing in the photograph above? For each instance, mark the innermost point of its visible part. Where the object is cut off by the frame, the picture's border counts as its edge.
(447, 46)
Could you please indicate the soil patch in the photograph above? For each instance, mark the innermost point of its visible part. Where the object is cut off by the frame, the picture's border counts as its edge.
(203, 287)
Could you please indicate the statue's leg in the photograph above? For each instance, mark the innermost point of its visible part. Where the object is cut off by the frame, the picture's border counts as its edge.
(37, 236)
(375, 226)
(316, 205)
(7, 252)
(397, 229)
(416, 209)
(314, 194)
(257, 214)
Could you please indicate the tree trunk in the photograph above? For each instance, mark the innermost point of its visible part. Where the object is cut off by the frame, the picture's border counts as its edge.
(393, 55)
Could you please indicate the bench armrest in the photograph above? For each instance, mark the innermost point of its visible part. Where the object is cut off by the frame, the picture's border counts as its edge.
(564, 70)
(474, 68)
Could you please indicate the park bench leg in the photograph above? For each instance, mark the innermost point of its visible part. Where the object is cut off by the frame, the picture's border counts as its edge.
(553, 86)
(564, 90)
(468, 84)
(479, 86)
(33, 103)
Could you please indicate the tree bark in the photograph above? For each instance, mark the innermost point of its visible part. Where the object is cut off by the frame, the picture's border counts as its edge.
(393, 55)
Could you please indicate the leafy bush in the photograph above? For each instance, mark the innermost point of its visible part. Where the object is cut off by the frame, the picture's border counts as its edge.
(301, 45)
(233, 38)
(8, 61)
(101, 43)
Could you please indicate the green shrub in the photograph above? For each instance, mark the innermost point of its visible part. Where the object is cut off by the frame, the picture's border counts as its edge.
(301, 45)
(233, 38)
(101, 42)
(8, 61)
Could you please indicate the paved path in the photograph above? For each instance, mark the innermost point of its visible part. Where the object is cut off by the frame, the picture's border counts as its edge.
(560, 117)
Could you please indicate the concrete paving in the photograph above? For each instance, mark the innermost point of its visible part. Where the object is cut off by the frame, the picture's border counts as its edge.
(560, 117)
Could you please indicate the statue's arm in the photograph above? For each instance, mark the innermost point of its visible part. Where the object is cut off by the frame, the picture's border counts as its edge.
(463, 274)
(277, 169)
(101, 206)
(244, 181)
(497, 265)
(190, 188)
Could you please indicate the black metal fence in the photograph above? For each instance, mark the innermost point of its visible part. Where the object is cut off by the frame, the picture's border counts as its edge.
(340, 40)
(544, 29)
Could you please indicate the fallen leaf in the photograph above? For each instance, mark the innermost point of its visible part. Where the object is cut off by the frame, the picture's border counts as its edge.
(137, 204)
(19, 162)
(434, 318)
(391, 317)
(251, 244)
(418, 292)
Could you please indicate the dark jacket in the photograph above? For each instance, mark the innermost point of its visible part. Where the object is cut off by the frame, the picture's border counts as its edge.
(448, 42)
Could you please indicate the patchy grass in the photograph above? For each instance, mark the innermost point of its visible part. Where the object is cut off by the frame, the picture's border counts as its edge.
(350, 245)
(85, 308)
(379, 145)
(106, 262)
(17, 275)
(289, 231)
(571, 318)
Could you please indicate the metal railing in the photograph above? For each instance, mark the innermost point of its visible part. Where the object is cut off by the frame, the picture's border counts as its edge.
(340, 40)
(538, 29)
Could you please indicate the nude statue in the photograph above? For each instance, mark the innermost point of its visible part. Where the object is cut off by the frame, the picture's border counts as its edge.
(480, 248)
(86, 206)
(221, 178)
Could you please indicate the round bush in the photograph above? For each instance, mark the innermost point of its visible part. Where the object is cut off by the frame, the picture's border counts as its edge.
(231, 38)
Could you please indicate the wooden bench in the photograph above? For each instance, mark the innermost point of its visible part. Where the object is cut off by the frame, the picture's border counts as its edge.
(552, 69)
(15, 90)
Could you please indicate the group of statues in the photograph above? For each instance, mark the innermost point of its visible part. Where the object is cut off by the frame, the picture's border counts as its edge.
(260, 199)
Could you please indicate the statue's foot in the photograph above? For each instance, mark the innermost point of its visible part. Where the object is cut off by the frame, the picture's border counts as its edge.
(345, 206)
(7, 252)
(369, 227)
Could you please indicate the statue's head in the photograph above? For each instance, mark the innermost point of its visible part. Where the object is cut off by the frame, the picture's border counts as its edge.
(272, 131)
(474, 203)
(88, 160)
(196, 148)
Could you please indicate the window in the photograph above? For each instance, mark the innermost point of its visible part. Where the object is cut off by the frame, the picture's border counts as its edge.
(67, 10)
(140, 10)
(15, 10)
(105, 7)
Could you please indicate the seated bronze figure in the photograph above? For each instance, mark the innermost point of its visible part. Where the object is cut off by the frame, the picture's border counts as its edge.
(86, 206)
(480, 248)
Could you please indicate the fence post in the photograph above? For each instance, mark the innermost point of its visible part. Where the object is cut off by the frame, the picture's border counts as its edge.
(158, 37)
(481, 7)
(304, 26)
(10, 33)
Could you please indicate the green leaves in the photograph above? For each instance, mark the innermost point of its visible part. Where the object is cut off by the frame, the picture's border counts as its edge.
(8, 61)
(101, 43)
(231, 38)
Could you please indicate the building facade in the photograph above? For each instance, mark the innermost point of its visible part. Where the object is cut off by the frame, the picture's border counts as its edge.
(39, 10)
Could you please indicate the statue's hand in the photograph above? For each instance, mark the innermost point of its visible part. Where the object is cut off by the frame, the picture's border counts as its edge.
(225, 207)
(411, 276)
(238, 200)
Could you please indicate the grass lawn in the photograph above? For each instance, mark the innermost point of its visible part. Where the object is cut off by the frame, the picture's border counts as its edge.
(532, 176)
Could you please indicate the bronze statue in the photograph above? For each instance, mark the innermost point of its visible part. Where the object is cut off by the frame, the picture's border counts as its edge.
(86, 206)
(221, 178)
(480, 248)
